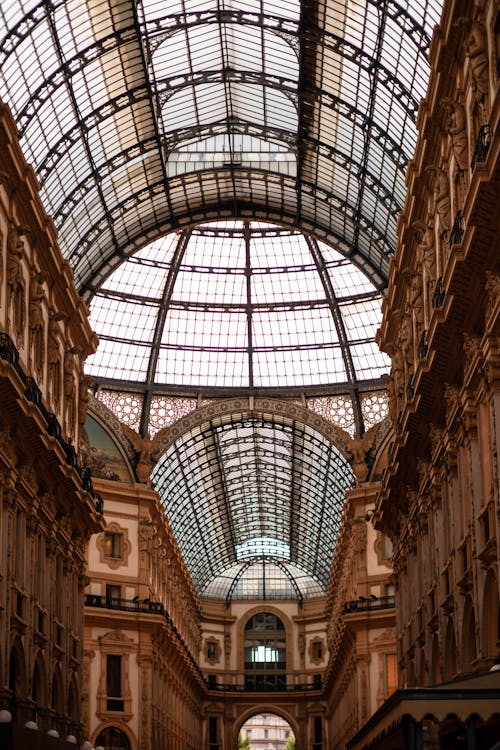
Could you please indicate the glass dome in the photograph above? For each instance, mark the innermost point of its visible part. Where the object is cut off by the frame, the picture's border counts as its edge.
(237, 306)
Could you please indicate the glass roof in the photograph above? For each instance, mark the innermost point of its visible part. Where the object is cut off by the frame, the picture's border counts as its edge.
(145, 116)
(255, 504)
(145, 122)
(237, 305)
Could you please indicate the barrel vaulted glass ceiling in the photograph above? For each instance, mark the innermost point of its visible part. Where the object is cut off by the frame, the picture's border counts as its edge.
(143, 116)
(145, 122)
(255, 503)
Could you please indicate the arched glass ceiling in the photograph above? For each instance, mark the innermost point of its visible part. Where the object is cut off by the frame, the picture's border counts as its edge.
(245, 491)
(237, 306)
(142, 116)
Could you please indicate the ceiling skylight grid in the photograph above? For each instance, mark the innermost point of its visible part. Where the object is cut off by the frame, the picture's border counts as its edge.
(241, 474)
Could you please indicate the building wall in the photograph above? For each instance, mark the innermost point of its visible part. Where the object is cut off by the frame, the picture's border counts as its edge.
(151, 621)
(47, 504)
(439, 500)
(361, 629)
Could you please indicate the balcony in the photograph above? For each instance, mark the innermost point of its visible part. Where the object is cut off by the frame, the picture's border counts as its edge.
(242, 688)
(124, 605)
(369, 604)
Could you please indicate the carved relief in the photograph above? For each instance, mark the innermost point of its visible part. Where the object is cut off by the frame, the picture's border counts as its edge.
(212, 650)
(114, 552)
(54, 357)
(35, 318)
(15, 279)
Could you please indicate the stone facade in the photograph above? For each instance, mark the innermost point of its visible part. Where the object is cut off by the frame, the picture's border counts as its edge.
(47, 502)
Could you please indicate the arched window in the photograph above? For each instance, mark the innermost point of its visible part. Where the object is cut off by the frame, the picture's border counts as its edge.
(491, 616)
(468, 636)
(17, 675)
(112, 738)
(265, 653)
(450, 652)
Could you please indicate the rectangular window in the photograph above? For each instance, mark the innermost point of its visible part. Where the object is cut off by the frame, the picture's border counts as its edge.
(113, 595)
(317, 733)
(391, 673)
(20, 545)
(114, 690)
(317, 650)
(113, 544)
(213, 734)
(266, 734)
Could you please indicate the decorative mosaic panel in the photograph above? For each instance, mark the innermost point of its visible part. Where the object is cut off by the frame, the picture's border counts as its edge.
(126, 406)
(374, 407)
(165, 410)
(337, 409)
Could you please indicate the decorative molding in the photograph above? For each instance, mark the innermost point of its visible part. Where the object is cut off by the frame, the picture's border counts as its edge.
(126, 547)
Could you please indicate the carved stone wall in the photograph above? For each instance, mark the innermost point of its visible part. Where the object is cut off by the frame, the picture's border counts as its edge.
(440, 498)
(361, 634)
(47, 513)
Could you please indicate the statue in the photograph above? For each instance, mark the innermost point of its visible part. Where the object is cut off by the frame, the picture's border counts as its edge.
(476, 49)
(441, 194)
(146, 447)
(426, 252)
(69, 386)
(405, 339)
(35, 317)
(54, 355)
(456, 126)
(83, 398)
(15, 282)
(359, 446)
(391, 397)
(416, 300)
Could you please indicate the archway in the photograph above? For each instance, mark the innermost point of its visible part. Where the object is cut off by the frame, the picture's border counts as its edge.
(468, 636)
(17, 674)
(491, 616)
(265, 652)
(266, 731)
(112, 738)
(39, 685)
(450, 652)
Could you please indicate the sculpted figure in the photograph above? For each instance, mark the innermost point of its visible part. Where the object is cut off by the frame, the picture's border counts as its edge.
(15, 283)
(391, 397)
(359, 446)
(35, 317)
(83, 399)
(54, 355)
(476, 49)
(405, 339)
(426, 252)
(442, 199)
(456, 126)
(416, 300)
(69, 386)
(145, 447)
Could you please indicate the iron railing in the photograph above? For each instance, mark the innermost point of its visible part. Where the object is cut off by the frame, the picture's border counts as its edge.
(367, 604)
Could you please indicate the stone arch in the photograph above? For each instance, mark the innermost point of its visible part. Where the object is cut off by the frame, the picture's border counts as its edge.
(39, 682)
(18, 678)
(57, 691)
(73, 699)
(469, 650)
(264, 708)
(255, 407)
(240, 633)
(450, 651)
(423, 672)
(117, 725)
(435, 675)
(491, 616)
